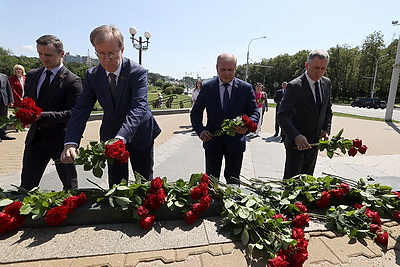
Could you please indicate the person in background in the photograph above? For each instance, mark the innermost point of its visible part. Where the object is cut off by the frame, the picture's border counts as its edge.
(261, 97)
(17, 82)
(196, 91)
(305, 115)
(120, 86)
(277, 99)
(6, 100)
(55, 90)
(224, 97)
(159, 100)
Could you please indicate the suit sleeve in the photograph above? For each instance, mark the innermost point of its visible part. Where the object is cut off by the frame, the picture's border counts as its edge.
(252, 110)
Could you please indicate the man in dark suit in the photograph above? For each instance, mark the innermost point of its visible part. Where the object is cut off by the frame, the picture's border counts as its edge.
(55, 89)
(305, 115)
(6, 99)
(224, 97)
(127, 115)
(277, 99)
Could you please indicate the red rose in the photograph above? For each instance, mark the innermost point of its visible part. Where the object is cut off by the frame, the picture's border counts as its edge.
(396, 215)
(142, 211)
(301, 220)
(297, 233)
(298, 258)
(155, 200)
(374, 215)
(190, 217)
(81, 199)
(26, 116)
(205, 179)
(358, 206)
(71, 203)
(206, 201)
(161, 196)
(249, 124)
(16, 222)
(56, 216)
(345, 187)
(352, 151)
(196, 192)
(382, 238)
(204, 188)
(197, 208)
(362, 149)
(156, 183)
(373, 228)
(324, 200)
(5, 220)
(123, 157)
(13, 208)
(276, 216)
(278, 262)
(357, 143)
(147, 222)
(337, 193)
(397, 194)
(301, 207)
(302, 245)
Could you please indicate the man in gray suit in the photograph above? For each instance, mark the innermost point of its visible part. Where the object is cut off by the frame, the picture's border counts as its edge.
(120, 86)
(305, 115)
(6, 99)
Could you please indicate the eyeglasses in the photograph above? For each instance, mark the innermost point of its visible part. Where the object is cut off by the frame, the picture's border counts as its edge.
(111, 55)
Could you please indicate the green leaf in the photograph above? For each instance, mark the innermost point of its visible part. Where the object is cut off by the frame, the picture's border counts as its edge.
(122, 201)
(237, 230)
(245, 237)
(243, 213)
(25, 209)
(5, 202)
(228, 203)
(97, 172)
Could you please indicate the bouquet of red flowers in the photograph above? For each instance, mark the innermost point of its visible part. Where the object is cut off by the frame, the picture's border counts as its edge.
(23, 116)
(228, 125)
(94, 157)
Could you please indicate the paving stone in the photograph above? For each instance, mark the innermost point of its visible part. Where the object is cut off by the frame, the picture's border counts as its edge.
(164, 256)
(193, 260)
(115, 260)
(318, 251)
(214, 234)
(236, 258)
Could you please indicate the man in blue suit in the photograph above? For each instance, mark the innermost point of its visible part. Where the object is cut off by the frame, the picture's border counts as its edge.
(224, 97)
(127, 115)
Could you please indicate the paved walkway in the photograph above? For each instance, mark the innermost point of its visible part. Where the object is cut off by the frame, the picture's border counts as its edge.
(179, 153)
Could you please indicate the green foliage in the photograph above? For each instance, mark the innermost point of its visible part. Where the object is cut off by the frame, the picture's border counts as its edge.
(228, 125)
(92, 158)
(336, 142)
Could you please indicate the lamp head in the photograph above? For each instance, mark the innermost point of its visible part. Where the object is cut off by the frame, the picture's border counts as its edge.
(132, 30)
(147, 35)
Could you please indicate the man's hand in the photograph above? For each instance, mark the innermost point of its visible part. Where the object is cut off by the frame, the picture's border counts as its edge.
(69, 154)
(240, 129)
(324, 135)
(205, 136)
(301, 142)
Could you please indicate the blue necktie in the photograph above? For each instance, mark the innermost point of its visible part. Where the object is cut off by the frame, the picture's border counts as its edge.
(317, 97)
(225, 101)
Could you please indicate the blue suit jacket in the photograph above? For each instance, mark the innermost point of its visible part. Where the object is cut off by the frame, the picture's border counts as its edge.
(242, 101)
(131, 116)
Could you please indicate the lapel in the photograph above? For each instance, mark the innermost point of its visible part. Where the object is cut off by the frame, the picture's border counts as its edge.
(325, 92)
(35, 80)
(122, 80)
(54, 86)
(234, 94)
(216, 95)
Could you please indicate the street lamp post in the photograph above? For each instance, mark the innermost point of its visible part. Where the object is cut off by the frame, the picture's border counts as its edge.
(141, 45)
(247, 62)
(376, 70)
(394, 81)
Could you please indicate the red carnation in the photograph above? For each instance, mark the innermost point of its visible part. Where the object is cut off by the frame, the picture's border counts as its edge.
(13, 208)
(206, 201)
(71, 203)
(117, 150)
(148, 221)
(277, 216)
(16, 222)
(301, 206)
(396, 215)
(205, 179)
(362, 149)
(357, 143)
(397, 194)
(81, 199)
(249, 124)
(373, 228)
(297, 233)
(301, 220)
(190, 217)
(358, 206)
(337, 193)
(279, 261)
(56, 216)
(382, 238)
(5, 220)
(298, 258)
(324, 200)
(156, 183)
(197, 208)
(142, 211)
(374, 215)
(123, 157)
(196, 192)
(352, 151)
(345, 187)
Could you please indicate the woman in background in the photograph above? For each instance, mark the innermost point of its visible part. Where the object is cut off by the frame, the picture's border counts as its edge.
(17, 82)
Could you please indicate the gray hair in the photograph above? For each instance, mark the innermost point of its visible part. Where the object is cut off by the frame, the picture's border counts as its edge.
(321, 54)
(51, 39)
(227, 57)
(105, 33)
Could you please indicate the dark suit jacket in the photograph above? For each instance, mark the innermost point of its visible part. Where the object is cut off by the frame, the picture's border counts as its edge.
(57, 104)
(298, 112)
(131, 116)
(18, 91)
(278, 97)
(6, 96)
(242, 102)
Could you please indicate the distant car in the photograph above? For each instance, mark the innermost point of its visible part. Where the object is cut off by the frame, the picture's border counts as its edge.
(368, 102)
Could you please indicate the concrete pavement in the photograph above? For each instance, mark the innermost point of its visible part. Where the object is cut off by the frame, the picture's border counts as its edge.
(179, 153)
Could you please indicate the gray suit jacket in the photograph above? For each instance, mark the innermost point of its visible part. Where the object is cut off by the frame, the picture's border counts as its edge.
(6, 96)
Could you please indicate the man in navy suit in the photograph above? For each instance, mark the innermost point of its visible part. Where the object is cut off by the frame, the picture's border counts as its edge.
(127, 115)
(240, 100)
(6, 99)
(55, 89)
(305, 115)
(277, 99)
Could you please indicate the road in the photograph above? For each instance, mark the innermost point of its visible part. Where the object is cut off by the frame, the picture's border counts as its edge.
(373, 113)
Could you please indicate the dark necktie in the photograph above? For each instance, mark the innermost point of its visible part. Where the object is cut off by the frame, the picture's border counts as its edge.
(225, 101)
(317, 97)
(113, 85)
(45, 85)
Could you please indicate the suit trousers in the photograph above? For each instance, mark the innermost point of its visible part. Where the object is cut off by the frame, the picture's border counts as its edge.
(3, 113)
(37, 155)
(299, 162)
(142, 162)
(233, 164)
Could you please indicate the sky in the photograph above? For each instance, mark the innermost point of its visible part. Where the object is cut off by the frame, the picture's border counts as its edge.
(188, 35)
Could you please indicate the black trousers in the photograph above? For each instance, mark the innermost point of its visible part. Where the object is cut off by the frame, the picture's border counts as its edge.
(36, 157)
(233, 164)
(299, 162)
(142, 162)
(3, 113)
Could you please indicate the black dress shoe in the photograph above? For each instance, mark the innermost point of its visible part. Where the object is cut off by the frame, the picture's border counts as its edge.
(7, 137)
(0, 140)
(275, 135)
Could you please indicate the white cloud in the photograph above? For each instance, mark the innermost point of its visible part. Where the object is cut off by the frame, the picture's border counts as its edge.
(28, 47)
